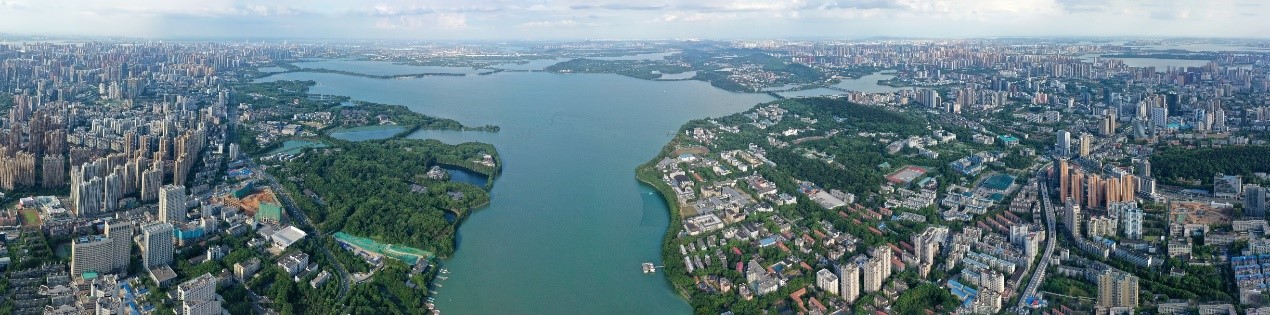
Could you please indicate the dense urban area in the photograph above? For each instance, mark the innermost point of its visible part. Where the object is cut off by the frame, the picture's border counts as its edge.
(1027, 176)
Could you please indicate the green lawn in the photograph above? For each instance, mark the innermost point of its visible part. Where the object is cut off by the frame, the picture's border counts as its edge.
(30, 217)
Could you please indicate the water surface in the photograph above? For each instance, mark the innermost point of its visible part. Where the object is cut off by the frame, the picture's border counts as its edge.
(381, 67)
(366, 132)
(568, 225)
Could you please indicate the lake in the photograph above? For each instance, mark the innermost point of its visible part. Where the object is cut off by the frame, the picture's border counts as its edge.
(1206, 48)
(867, 84)
(1160, 64)
(382, 67)
(568, 224)
(366, 132)
(295, 146)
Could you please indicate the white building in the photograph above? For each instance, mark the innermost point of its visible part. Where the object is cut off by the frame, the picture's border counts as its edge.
(172, 204)
(827, 281)
(156, 244)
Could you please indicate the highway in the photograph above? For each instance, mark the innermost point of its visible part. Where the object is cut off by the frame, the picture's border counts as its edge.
(1051, 234)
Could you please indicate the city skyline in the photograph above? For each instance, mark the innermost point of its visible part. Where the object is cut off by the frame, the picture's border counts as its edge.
(602, 19)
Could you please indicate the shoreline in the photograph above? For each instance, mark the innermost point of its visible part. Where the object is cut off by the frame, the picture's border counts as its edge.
(675, 220)
(646, 174)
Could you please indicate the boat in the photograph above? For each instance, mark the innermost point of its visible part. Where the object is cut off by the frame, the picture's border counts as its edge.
(649, 267)
(443, 277)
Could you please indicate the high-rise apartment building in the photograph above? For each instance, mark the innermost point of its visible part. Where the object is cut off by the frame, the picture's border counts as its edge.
(156, 244)
(172, 204)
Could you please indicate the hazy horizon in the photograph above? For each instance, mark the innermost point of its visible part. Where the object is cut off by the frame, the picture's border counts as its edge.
(501, 20)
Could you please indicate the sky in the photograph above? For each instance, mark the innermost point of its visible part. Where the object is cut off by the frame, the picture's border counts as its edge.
(632, 19)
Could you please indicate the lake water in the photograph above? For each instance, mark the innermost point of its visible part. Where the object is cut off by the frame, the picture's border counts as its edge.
(678, 76)
(1207, 48)
(568, 225)
(648, 56)
(381, 67)
(868, 84)
(531, 65)
(466, 176)
(1159, 63)
(295, 146)
(365, 132)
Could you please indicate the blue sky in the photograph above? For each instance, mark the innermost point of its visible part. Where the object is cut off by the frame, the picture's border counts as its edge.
(633, 19)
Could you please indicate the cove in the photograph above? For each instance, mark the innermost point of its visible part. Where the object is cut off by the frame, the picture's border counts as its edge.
(568, 225)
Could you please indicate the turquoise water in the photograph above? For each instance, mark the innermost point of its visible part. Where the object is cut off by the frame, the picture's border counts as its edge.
(365, 132)
(568, 225)
(295, 146)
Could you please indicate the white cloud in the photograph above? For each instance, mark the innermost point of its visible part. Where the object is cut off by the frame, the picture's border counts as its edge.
(554, 24)
(487, 19)
(452, 21)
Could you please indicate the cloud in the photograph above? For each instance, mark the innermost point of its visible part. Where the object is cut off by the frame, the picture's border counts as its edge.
(12, 5)
(1171, 15)
(452, 21)
(554, 24)
(680, 16)
(1084, 5)
(619, 6)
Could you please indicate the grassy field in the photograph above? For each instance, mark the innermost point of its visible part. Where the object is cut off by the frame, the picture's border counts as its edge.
(30, 217)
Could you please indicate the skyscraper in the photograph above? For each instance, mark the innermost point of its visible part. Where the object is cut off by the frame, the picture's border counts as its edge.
(156, 244)
(849, 277)
(120, 234)
(1063, 180)
(172, 204)
(873, 276)
(1071, 218)
(1064, 143)
(1086, 144)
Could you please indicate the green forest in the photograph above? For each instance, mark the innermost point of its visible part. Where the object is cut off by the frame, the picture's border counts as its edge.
(364, 188)
(1179, 166)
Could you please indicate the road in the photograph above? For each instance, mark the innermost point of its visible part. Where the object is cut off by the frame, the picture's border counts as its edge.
(1050, 235)
(297, 216)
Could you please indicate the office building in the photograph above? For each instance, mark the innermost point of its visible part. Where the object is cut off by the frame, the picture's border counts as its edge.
(1063, 146)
